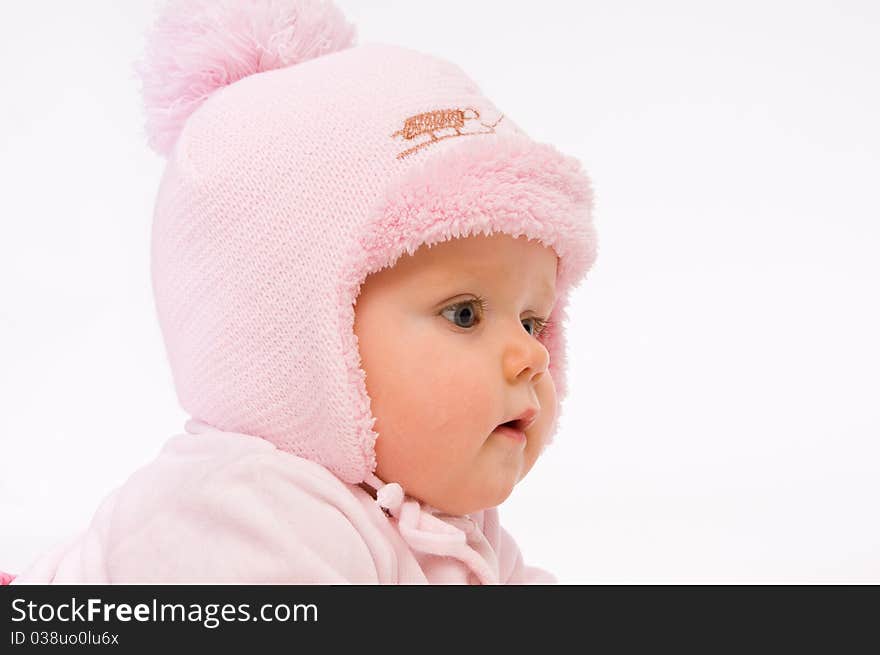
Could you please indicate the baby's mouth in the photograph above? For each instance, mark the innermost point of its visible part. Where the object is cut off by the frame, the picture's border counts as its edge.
(512, 429)
(522, 422)
(516, 428)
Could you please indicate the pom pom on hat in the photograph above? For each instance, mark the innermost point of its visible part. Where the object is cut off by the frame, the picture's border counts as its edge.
(198, 46)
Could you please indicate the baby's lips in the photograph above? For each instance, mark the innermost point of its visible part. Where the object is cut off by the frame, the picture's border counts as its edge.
(524, 420)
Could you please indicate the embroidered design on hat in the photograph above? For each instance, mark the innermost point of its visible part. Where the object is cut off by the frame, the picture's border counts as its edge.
(431, 122)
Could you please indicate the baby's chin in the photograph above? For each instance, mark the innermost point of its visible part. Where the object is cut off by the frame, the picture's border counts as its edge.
(481, 499)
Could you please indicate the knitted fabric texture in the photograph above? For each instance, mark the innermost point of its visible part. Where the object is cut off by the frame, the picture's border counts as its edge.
(285, 189)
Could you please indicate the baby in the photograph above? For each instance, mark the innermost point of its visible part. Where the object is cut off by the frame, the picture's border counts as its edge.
(462, 320)
(361, 268)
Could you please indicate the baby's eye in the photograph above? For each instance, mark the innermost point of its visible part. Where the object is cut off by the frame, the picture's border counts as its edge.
(463, 311)
(467, 314)
(540, 324)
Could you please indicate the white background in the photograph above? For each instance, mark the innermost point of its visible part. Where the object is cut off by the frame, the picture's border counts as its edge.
(724, 412)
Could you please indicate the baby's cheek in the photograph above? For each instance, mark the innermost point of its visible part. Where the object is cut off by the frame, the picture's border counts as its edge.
(454, 385)
(545, 390)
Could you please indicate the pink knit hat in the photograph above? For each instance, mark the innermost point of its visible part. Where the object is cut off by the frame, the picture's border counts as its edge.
(298, 164)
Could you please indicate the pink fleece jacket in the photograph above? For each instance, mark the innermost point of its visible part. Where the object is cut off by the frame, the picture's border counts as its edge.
(223, 507)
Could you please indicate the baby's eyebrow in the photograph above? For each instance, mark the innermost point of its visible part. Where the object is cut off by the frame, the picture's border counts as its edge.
(549, 291)
(473, 278)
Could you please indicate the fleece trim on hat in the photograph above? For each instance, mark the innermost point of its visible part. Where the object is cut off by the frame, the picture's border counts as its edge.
(508, 184)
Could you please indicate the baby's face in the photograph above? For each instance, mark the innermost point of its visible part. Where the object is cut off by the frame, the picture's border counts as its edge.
(442, 372)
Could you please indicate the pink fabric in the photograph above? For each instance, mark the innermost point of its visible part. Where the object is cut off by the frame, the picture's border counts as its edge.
(288, 187)
(222, 507)
(197, 47)
(6, 578)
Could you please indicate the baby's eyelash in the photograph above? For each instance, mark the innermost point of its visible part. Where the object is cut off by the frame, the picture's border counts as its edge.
(481, 302)
(543, 323)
